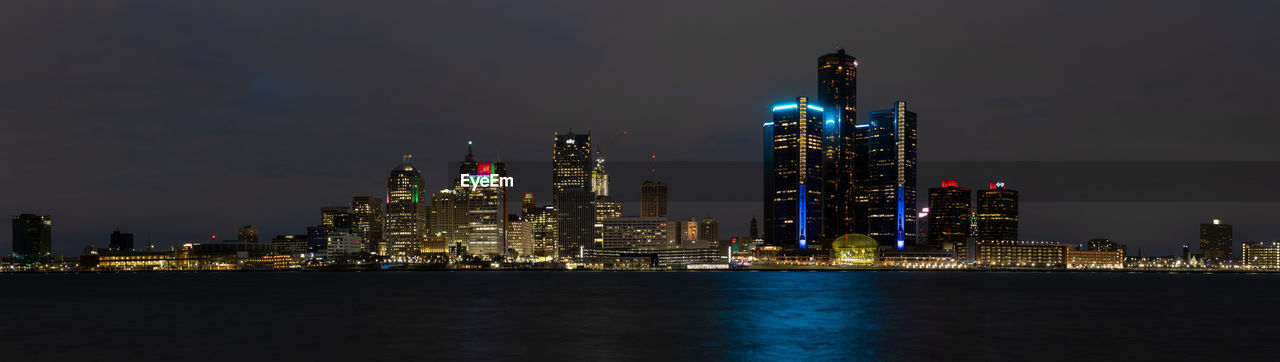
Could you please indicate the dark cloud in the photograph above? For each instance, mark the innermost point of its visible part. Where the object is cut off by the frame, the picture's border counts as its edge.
(182, 119)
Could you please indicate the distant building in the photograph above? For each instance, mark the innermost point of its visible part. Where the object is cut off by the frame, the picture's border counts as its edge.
(368, 212)
(542, 220)
(1215, 242)
(32, 239)
(406, 221)
(343, 244)
(1260, 255)
(997, 213)
(449, 216)
(854, 249)
(486, 207)
(1095, 259)
(793, 175)
(709, 231)
(290, 244)
(571, 192)
(1023, 254)
(247, 233)
(629, 232)
(891, 179)
(653, 199)
(519, 237)
(606, 208)
(949, 210)
(1101, 244)
(120, 241)
(328, 214)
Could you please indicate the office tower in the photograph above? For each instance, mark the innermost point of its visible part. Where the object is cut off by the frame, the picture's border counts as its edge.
(1186, 254)
(328, 213)
(1260, 255)
(794, 215)
(486, 207)
(631, 232)
(289, 244)
(406, 221)
(755, 230)
(1215, 243)
(949, 209)
(367, 210)
(599, 179)
(1102, 245)
(653, 199)
(997, 213)
(891, 157)
(527, 205)
(709, 230)
(519, 237)
(838, 92)
(543, 221)
(247, 233)
(120, 241)
(862, 180)
(571, 192)
(449, 217)
(32, 239)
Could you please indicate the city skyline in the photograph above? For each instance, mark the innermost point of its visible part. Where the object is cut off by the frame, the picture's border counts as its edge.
(249, 144)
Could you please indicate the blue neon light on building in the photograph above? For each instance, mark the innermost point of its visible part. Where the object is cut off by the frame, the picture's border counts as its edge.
(802, 218)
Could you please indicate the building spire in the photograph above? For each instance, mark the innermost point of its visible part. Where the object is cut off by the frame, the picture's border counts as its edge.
(406, 157)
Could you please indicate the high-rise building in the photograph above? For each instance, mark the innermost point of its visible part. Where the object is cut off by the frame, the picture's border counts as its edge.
(862, 180)
(571, 192)
(367, 210)
(793, 215)
(1215, 243)
(1103, 245)
(949, 209)
(709, 230)
(32, 239)
(407, 212)
(891, 178)
(247, 233)
(527, 204)
(653, 199)
(606, 208)
(449, 217)
(997, 213)
(542, 219)
(486, 207)
(838, 92)
(120, 241)
(519, 237)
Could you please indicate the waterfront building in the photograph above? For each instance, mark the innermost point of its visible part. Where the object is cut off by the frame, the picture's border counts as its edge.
(1260, 255)
(342, 244)
(949, 210)
(406, 220)
(1021, 254)
(838, 94)
(891, 179)
(290, 244)
(32, 239)
(449, 217)
(854, 249)
(1095, 259)
(247, 233)
(794, 179)
(630, 232)
(519, 237)
(997, 213)
(1215, 243)
(571, 192)
(542, 220)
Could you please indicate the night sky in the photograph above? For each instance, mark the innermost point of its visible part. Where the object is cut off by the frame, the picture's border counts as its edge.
(179, 121)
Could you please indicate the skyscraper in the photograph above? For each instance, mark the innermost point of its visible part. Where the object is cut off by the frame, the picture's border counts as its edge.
(486, 207)
(368, 218)
(838, 92)
(247, 233)
(120, 241)
(709, 230)
(793, 215)
(449, 218)
(1215, 242)
(997, 213)
(32, 239)
(653, 199)
(329, 213)
(571, 192)
(406, 210)
(891, 178)
(949, 209)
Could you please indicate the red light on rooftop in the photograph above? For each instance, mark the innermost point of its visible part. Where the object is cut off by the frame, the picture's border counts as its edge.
(950, 183)
(484, 168)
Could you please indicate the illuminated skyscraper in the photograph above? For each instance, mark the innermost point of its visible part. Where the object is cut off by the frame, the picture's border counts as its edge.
(519, 237)
(486, 208)
(329, 213)
(571, 192)
(32, 239)
(543, 221)
(891, 178)
(997, 213)
(368, 218)
(793, 214)
(1215, 242)
(949, 209)
(406, 210)
(653, 199)
(838, 93)
(449, 218)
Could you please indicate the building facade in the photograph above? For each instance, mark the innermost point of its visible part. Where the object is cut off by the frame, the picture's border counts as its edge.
(949, 209)
(838, 94)
(1215, 242)
(653, 199)
(891, 179)
(631, 232)
(368, 212)
(997, 213)
(571, 192)
(32, 239)
(406, 221)
(1260, 255)
(794, 158)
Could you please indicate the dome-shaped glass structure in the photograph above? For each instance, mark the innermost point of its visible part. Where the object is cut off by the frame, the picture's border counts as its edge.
(856, 249)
